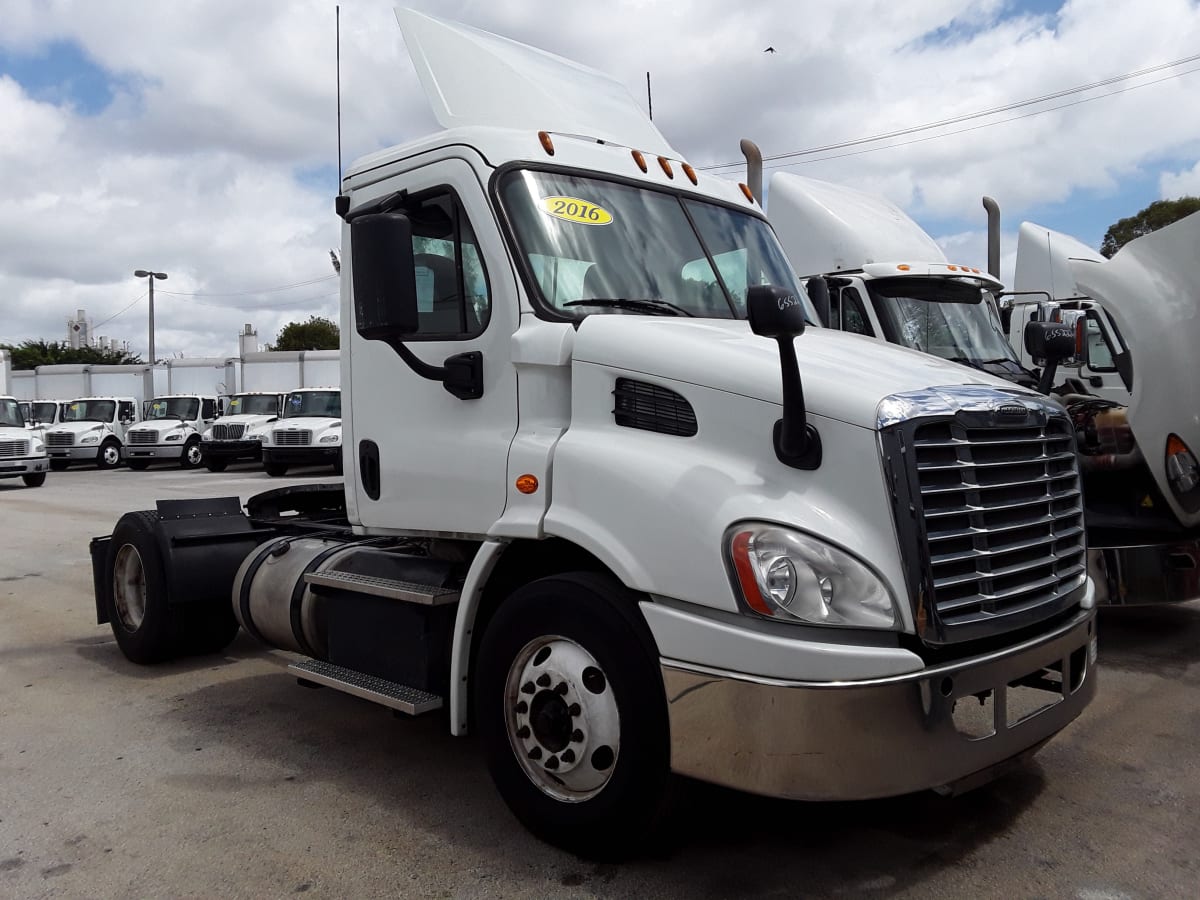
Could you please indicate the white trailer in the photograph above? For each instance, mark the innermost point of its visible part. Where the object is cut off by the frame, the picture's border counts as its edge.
(205, 377)
(608, 499)
(279, 371)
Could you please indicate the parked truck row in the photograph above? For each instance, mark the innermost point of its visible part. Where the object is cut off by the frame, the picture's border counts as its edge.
(615, 505)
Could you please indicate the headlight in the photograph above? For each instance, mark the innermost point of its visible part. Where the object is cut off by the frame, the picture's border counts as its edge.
(207, 435)
(174, 436)
(793, 577)
(89, 439)
(331, 439)
(1183, 473)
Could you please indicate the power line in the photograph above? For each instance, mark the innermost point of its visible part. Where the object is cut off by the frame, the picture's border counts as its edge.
(266, 290)
(140, 296)
(978, 114)
(281, 303)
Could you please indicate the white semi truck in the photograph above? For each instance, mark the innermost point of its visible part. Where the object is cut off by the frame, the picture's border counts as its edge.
(887, 279)
(307, 433)
(612, 501)
(92, 429)
(22, 450)
(239, 432)
(170, 431)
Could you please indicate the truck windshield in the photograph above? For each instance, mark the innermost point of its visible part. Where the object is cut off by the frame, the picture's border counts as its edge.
(43, 412)
(10, 414)
(184, 408)
(90, 411)
(253, 405)
(947, 318)
(327, 404)
(640, 251)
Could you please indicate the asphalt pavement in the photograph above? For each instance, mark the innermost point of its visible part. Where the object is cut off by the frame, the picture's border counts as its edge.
(220, 776)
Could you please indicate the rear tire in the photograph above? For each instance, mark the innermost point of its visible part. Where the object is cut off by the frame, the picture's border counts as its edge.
(59, 465)
(275, 469)
(147, 628)
(215, 465)
(138, 465)
(193, 454)
(34, 479)
(109, 454)
(572, 713)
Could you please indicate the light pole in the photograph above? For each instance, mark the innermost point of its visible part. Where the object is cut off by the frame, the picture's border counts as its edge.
(161, 276)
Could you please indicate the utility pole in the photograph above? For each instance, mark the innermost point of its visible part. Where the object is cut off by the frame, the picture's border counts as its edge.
(150, 276)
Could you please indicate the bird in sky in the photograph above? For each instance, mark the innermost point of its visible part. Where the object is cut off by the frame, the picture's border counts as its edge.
(770, 50)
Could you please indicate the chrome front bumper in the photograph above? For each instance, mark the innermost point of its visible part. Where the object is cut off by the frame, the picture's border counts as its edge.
(29, 465)
(152, 451)
(78, 452)
(855, 740)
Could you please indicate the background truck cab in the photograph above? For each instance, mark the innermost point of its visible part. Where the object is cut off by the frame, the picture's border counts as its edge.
(238, 433)
(170, 431)
(22, 450)
(307, 433)
(92, 430)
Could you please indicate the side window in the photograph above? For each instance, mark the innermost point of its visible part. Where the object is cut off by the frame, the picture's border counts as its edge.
(125, 410)
(452, 290)
(854, 314)
(701, 291)
(1099, 353)
(208, 408)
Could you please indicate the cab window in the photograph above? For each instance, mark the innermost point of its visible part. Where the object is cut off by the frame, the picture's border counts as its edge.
(453, 302)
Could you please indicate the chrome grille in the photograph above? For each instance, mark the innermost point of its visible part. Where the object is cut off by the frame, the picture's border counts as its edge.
(143, 437)
(293, 438)
(228, 432)
(60, 439)
(988, 507)
(13, 449)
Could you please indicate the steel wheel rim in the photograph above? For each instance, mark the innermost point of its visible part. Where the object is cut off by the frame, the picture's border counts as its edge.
(562, 719)
(129, 587)
(193, 454)
(111, 455)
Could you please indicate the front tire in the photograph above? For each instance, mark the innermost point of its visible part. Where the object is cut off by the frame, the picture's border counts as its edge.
(275, 469)
(59, 465)
(109, 455)
(215, 465)
(573, 716)
(138, 465)
(193, 454)
(34, 479)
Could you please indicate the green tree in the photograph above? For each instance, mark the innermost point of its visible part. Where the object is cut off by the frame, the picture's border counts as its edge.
(1158, 214)
(31, 354)
(318, 333)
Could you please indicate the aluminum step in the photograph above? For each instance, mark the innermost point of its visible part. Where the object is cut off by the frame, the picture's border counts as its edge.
(378, 690)
(409, 592)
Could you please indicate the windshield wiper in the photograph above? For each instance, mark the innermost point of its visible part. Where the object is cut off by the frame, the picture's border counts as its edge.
(641, 303)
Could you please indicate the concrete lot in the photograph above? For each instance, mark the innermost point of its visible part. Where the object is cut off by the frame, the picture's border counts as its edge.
(221, 777)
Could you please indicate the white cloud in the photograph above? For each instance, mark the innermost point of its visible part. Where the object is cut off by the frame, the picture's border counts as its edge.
(1185, 183)
(196, 168)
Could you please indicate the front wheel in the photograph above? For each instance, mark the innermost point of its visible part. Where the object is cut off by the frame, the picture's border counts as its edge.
(275, 469)
(59, 465)
(109, 455)
(572, 713)
(34, 479)
(215, 465)
(192, 455)
(138, 465)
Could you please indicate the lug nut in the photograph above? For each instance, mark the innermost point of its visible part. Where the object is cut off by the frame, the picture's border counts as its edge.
(568, 755)
(552, 762)
(523, 732)
(528, 688)
(574, 709)
(576, 736)
(544, 680)
(535, 753)
(522, 708)
(560, 688)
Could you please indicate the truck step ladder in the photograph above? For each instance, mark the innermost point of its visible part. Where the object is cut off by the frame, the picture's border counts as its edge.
(378, 690)
(409, 592)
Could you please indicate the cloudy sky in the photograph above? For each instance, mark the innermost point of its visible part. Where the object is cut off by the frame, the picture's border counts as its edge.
(197, 137)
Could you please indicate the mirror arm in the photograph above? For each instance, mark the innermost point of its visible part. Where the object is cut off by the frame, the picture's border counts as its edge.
(1049, 370)
(461, 374)
(797, 443)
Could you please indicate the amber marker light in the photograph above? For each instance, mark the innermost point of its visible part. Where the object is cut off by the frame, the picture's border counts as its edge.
(666, 166)
(952, 268)
(745, 572)
(547, 144)
(527, 484)
(749, 194)
(690, 173)
(904, 267)
(640, 159)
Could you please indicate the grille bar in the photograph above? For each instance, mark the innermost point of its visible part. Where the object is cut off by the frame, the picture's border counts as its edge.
(60, 440)
(228, 432)
(967, 464)
(11, 449)
(143, 437)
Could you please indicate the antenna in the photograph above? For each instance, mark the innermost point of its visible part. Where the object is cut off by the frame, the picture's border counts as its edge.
(337, 15)
(649, 99)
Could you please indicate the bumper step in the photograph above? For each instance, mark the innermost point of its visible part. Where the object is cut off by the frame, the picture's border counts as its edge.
(424, 594)
(378, 690)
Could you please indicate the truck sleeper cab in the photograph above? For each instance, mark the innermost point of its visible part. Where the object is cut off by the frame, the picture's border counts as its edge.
(170, 432)
(22, 450)
(588, 508)
(308, 432)
(238, 433)
(92, 429)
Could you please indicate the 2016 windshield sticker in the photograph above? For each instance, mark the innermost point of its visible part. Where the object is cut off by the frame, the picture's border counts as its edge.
(572, 209)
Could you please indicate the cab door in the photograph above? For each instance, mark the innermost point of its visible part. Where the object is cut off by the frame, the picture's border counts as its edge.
(417, 458)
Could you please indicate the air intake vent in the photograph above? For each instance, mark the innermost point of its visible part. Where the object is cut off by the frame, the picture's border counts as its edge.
(653, 408)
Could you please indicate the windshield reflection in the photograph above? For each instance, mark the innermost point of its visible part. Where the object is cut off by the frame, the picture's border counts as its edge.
(253, 405)
(302, 404)
(90, 411)
(10, 414)
(186, 408)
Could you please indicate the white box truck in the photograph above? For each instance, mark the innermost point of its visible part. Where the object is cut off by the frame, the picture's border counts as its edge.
(92, 429)
(239, 432)
(170, 432)
(307, 433)
(612, 501)
(22, 449)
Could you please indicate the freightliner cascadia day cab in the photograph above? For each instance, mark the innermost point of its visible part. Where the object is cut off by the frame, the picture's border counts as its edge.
(612, 501)
(22, 449)
(239, 433)
(307, 433)
(92, 429)
(170, 431)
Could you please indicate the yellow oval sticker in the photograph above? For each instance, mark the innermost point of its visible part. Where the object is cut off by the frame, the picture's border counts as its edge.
(572, 209)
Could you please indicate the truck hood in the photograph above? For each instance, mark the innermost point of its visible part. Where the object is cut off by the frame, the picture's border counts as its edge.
(845, 376)
(245, 419)
(315, 424)
(77, 427)
(161, 427)
(1151, 289)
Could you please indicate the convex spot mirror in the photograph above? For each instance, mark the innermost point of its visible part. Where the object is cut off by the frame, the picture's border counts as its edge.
(1051, 341)
(774, 312)
(385, 288)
